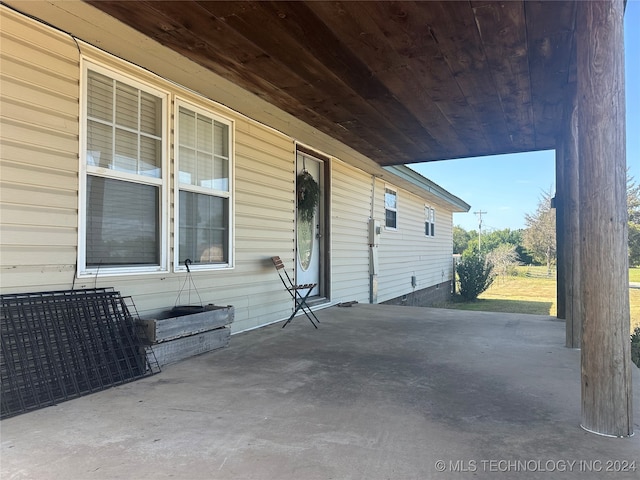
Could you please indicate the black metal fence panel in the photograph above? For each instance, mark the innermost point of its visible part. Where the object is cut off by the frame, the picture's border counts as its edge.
(60, 345)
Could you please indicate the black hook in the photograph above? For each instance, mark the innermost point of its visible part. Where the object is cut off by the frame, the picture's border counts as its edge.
(187, 262)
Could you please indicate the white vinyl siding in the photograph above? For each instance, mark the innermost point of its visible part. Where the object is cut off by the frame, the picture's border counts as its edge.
(407, 252)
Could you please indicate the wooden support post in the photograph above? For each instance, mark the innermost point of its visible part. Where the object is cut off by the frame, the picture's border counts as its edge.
(606, 357)
(571, 223)
(561, 245)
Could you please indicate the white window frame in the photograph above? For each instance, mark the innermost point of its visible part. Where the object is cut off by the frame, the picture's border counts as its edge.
(85, 170)
(177, 262)
(429, 221)
(395, 209)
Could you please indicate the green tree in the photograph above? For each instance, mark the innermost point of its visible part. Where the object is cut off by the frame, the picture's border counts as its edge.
(461, 239)
(539, 238)
(490, 241)
(633, 208)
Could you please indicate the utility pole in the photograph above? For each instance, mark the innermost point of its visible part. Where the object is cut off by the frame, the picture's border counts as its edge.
(479, 213)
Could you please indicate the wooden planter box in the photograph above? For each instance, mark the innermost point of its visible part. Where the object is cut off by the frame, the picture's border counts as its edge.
(174, 336)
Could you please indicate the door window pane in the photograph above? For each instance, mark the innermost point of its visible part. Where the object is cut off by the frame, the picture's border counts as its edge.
(305, 233)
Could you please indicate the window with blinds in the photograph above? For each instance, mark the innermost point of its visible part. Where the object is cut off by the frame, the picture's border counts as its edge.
(126, 208)
(203, 163)
(123, 158)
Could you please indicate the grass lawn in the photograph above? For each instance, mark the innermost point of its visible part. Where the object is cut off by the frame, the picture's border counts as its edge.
(634, 274)
(533, 294)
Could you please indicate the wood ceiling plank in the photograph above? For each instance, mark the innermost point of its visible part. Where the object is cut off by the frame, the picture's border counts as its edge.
(453, 25)
(199, 35)
(397, 81)
(551, 29)
(301, 42)
(419, 46)
(374, 92)
(502, 28)
(405, 75)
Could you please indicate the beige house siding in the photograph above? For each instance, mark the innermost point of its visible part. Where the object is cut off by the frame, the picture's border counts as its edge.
(38, 155)
(263, 215)
(351, 191)
(40, 179)
(41, 103)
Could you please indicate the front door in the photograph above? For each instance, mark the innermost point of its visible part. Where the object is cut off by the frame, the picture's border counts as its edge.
(309, 221)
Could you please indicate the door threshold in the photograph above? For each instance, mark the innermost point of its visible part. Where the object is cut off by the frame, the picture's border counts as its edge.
(315, 301)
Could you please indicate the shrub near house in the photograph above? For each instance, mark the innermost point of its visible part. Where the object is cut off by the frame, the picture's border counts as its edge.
(474, 275)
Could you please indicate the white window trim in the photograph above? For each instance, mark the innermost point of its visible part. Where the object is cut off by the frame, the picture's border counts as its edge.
(428, 212)
(395, 191)
(82, 270)
(177, 266)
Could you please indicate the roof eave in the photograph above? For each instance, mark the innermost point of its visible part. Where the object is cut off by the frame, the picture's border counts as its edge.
(423, 183)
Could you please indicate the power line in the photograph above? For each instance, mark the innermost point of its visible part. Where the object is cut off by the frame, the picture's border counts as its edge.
(479, 213)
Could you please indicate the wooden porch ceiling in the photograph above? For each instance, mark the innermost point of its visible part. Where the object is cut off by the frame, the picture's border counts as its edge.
(400, 82)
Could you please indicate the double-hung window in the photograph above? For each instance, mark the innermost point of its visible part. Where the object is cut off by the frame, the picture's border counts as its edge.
(126, 210)
(203, 175)
(390, 208)
(123, 192)
(429, 221)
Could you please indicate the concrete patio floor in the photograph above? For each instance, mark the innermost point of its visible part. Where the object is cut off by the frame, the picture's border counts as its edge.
(377, 392)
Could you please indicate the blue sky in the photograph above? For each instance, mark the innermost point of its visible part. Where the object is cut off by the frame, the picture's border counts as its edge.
(508, 186)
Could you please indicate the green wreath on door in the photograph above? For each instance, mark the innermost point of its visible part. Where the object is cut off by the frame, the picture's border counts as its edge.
(308, 195)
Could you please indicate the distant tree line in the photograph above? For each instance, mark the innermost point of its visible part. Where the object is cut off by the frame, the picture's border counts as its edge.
(466, 243)
(536, 244)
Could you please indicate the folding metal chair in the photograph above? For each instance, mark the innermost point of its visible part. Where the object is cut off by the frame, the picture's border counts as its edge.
(300, 299)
